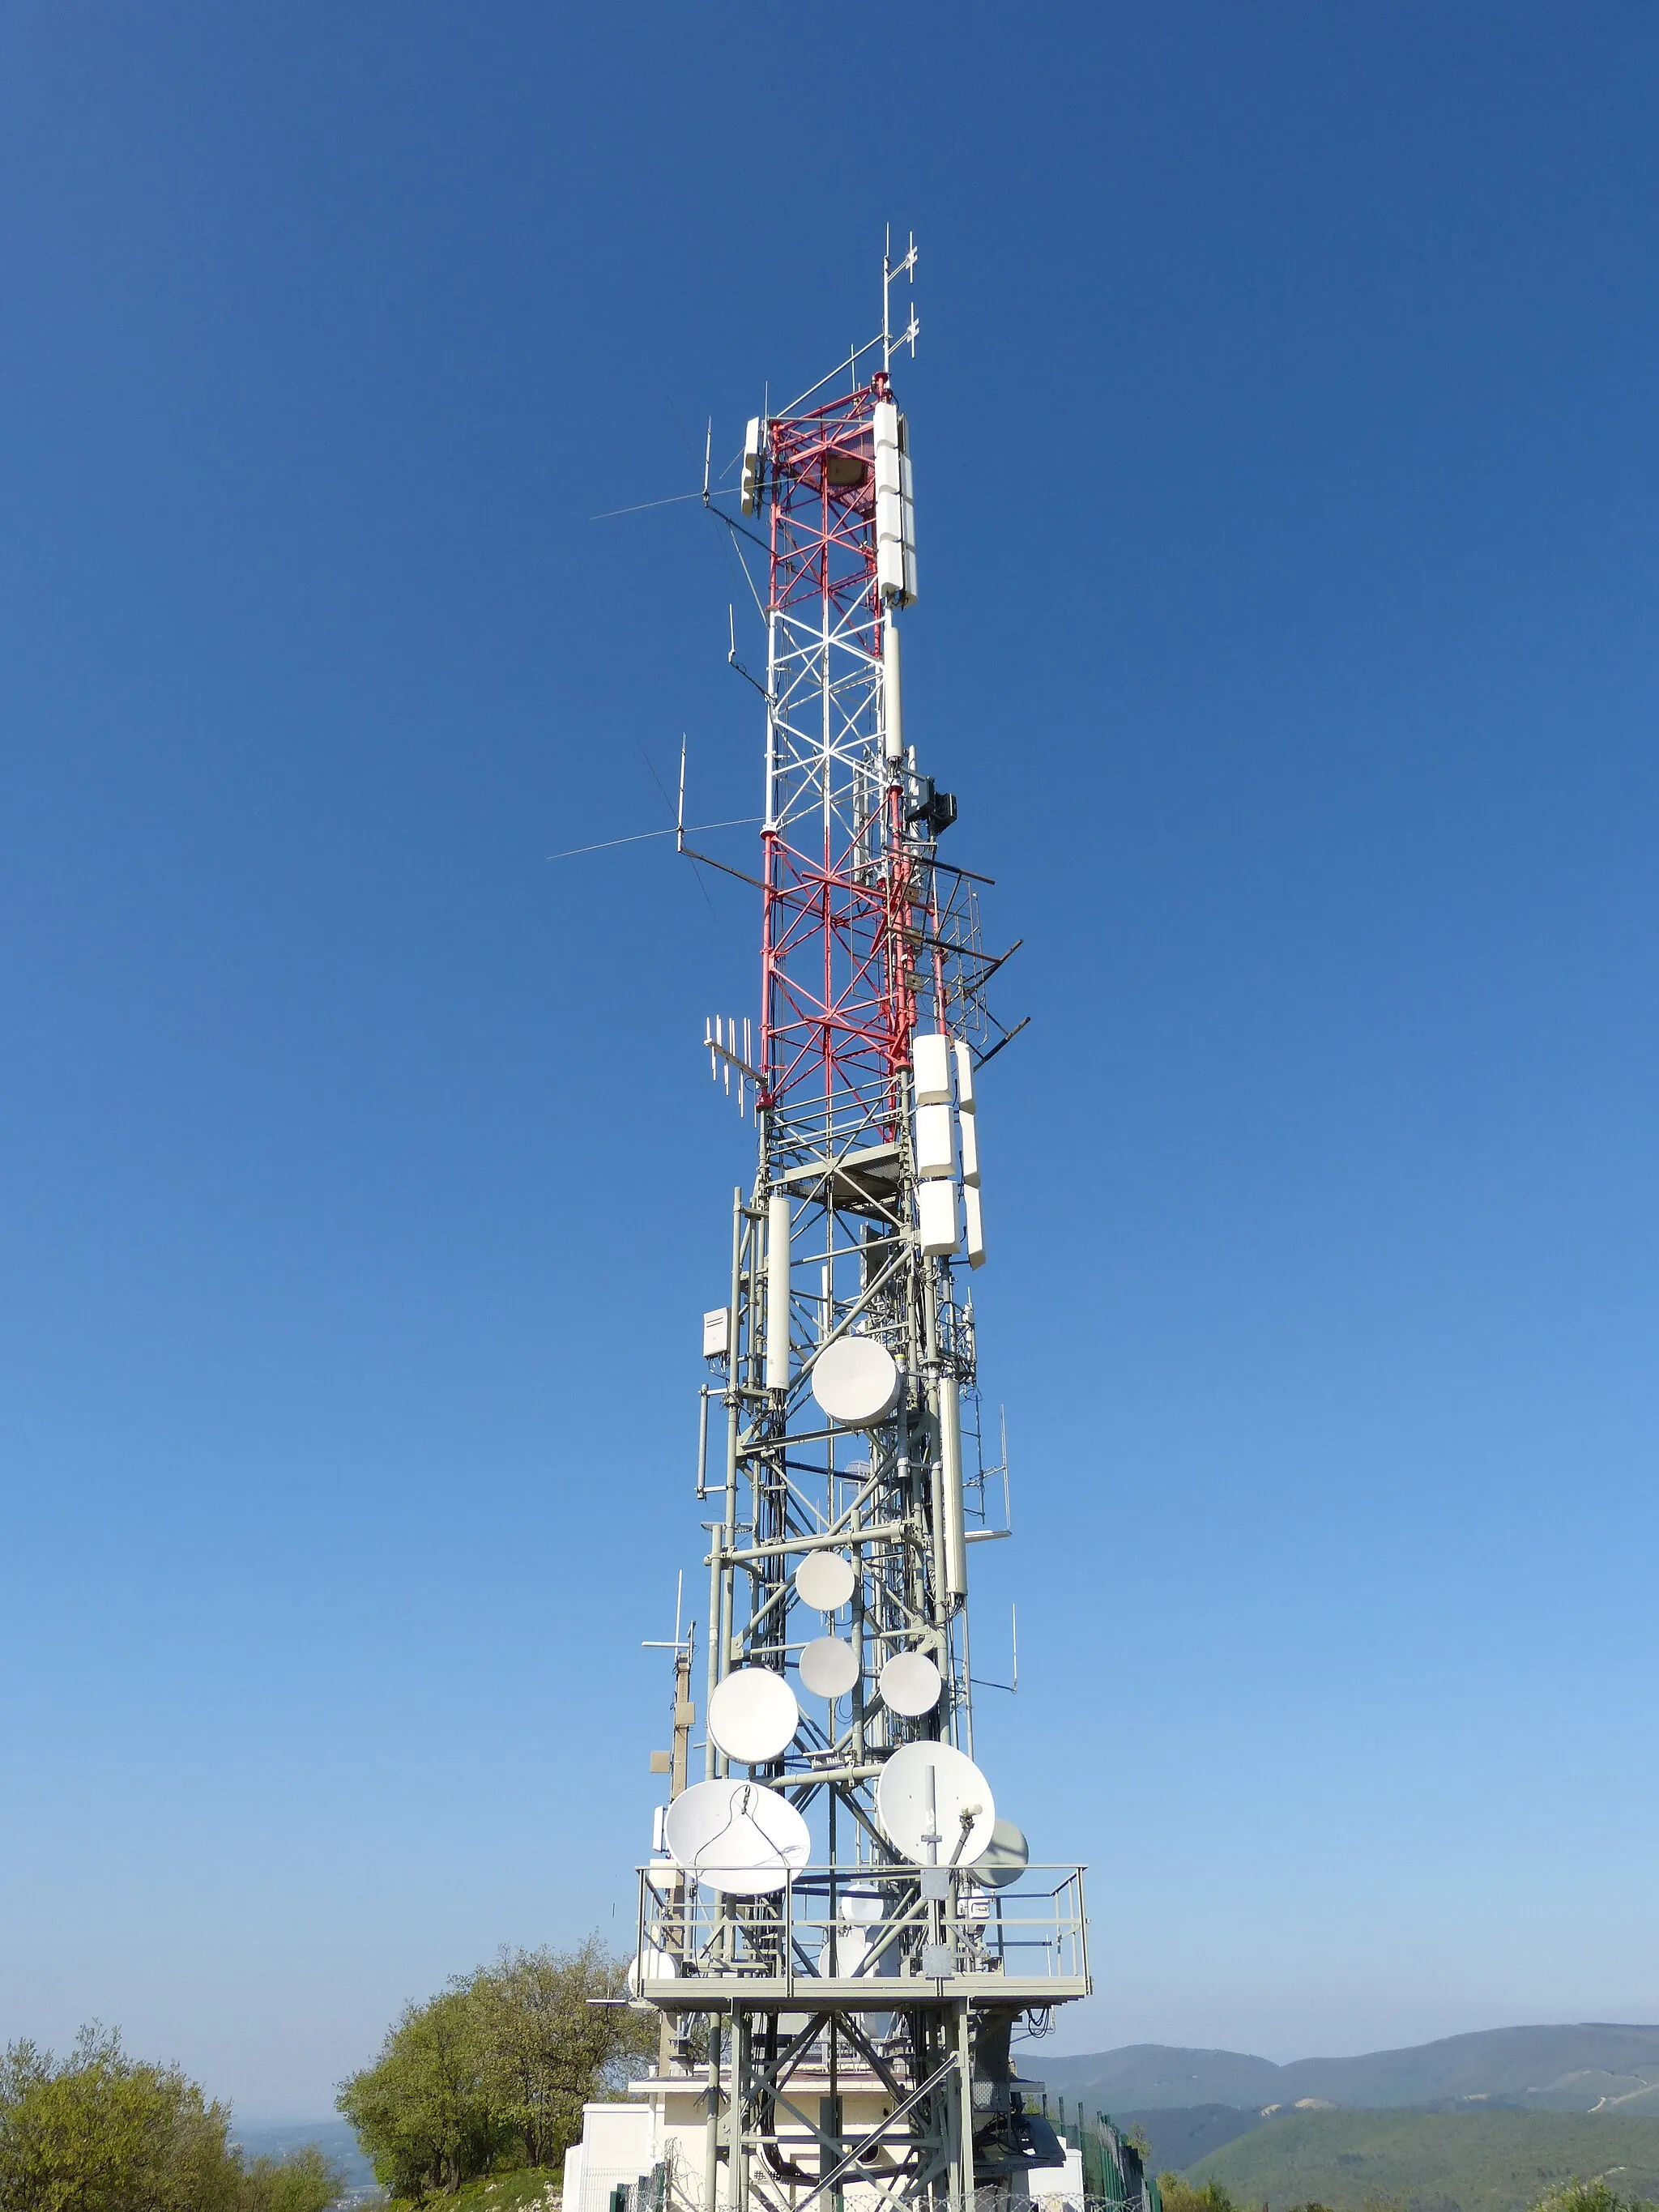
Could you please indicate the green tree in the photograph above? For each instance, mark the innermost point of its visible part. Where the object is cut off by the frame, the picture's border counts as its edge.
(1598, 2196)
(1178, 2196)
(496, 2069)
(423, 2111)
(302, 2181)
(100, 2132)
(548, 2047)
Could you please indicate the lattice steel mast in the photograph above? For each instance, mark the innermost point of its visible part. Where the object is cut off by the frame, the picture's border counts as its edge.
(839, 1935)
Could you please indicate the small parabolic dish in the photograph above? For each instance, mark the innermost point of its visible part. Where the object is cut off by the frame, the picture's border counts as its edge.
(753, 1716)
(856, 1381)
(829, 1667)
(651, 1966)
(739, 1836)
(934, 1805)
(861, 1905)
(852, 1949)
(825, 1579)
(910, 1684)
(1004, 1859)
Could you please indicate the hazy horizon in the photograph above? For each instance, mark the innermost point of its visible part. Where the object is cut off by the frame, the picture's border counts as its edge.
(1033, 2054)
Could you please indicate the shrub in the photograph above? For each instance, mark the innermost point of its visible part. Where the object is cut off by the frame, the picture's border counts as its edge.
(494, 2072)
(100, 2132)
(1179, 2196)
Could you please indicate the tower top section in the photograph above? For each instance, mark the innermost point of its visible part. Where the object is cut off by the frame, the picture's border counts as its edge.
(867, 936)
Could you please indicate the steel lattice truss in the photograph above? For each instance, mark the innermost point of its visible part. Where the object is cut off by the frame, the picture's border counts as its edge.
(865, 930)
(838, 1010)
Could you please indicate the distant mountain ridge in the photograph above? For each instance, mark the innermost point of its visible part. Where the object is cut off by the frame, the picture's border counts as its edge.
(1593, 2066)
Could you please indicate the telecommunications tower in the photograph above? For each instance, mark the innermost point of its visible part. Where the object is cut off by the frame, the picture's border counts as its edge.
(838, 1932)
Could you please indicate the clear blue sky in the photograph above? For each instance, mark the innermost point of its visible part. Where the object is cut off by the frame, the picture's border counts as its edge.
(1285, 431)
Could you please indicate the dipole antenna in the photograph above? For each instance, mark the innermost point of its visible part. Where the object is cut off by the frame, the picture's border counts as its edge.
(890, 270)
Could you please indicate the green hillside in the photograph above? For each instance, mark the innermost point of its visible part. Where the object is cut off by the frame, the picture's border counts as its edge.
(1178, 2135)
(1571, 2070)
(1479, 2162)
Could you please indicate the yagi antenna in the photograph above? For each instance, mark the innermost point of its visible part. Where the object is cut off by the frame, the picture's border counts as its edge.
(719, 1038)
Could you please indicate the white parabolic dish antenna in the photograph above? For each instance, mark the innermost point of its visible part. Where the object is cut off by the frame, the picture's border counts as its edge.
(737, 1836)
(852, 1949)
(753, 1716)
(1004, 1859)
(650, 1965)
(825, 1579)
(829, 1667)
(856, 1381)
(933, 1805)
(910, 1684)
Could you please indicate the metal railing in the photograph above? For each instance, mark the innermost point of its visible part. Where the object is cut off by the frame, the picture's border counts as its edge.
(905, 1934)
